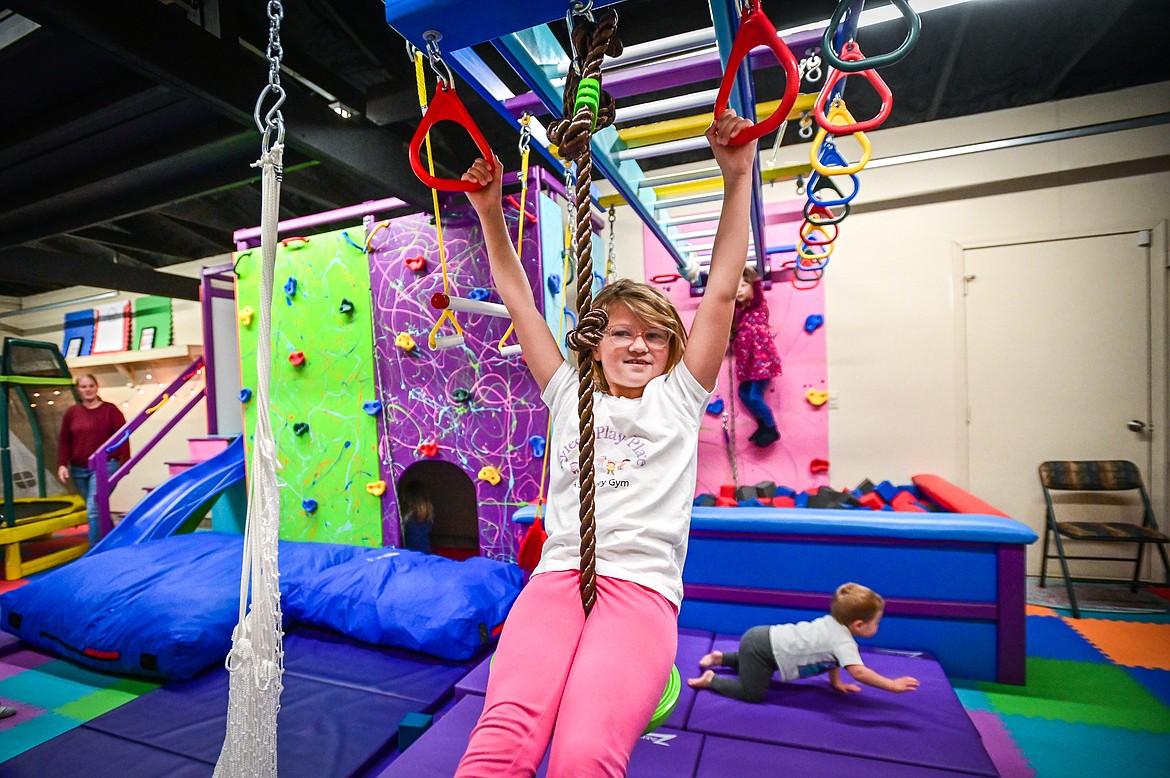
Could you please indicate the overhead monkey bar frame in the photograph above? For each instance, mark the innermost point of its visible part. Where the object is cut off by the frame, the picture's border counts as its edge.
(520, 34)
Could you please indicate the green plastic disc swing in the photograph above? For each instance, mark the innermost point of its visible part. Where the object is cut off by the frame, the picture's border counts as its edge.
(668, 702)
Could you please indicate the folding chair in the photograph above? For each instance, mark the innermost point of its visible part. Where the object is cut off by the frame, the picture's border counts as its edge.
(1097, 476)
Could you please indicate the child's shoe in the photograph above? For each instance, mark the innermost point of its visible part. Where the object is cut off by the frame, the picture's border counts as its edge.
(766, 436)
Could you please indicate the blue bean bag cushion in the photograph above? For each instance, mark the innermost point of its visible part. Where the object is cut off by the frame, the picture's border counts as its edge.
(411, 600)
(161, 609)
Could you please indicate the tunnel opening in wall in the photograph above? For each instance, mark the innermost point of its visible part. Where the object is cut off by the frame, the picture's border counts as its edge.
(455, 529)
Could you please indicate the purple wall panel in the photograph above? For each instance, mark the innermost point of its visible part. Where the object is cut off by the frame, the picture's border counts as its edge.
(416, 387)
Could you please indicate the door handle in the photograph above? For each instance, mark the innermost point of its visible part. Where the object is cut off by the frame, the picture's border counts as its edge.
(1137, 425)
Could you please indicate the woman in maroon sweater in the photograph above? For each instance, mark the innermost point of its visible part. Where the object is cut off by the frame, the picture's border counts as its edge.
(87, 426)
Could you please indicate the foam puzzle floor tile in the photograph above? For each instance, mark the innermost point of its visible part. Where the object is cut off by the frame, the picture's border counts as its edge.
(1067, 750)
(1005, 752)
(1134, 644)
(1039, 610)
(1157, 682)
(1054, 639)
(1081, 692)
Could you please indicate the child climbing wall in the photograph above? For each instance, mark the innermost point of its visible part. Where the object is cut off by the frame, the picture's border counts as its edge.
(799, 458)
(468, 406)
(323, 396)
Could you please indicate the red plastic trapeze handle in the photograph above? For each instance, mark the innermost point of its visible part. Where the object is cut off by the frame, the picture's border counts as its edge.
(851, 53)
(446, 106)
(755, 30)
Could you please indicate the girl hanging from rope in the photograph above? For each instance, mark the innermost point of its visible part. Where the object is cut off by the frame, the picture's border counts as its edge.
(590, 685)
(756, 360)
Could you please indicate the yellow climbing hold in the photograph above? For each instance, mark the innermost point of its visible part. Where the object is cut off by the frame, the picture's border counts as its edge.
(376, 488)
(404, 341)
(817, 397)
(489, 474)
(246, 314)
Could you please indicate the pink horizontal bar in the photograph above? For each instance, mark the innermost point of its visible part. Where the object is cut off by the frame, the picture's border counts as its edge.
(367, 208)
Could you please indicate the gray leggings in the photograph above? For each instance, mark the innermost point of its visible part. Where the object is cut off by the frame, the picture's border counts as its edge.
(754, 665)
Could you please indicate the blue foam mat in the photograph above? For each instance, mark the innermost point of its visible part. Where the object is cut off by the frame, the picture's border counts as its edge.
(86, 752)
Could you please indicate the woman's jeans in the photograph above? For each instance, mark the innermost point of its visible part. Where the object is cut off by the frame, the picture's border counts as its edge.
(85, 482)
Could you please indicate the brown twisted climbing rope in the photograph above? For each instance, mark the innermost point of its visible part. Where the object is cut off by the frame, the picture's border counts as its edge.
(591, 41)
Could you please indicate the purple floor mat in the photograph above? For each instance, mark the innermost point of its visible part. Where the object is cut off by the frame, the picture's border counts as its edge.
(927, 727)
(692, 645)
(85, 752)
(662, 754)
(474, 682)
(325, 729)
(727, 758)
(335, 659)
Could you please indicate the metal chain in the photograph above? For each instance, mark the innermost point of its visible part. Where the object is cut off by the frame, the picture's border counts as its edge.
(525, 133)
(611, 257)
(272, 120)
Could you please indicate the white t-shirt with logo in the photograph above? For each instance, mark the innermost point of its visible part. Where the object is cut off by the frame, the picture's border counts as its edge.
(646, 451)
(812, 647)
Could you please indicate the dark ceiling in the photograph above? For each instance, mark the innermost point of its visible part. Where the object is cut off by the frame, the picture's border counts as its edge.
(127, 137)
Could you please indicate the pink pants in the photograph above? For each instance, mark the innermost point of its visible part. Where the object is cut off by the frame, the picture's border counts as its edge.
(590, 685)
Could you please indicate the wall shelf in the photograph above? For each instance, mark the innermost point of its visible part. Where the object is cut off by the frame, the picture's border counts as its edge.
(126, 361)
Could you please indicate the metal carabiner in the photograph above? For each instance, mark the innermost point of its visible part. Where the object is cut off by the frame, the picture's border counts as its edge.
(435, 57)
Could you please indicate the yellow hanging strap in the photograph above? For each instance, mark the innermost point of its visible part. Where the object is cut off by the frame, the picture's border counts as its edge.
(525, 134)
(448, 314)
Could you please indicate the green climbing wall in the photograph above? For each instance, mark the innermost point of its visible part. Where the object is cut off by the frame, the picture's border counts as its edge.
(330, 462)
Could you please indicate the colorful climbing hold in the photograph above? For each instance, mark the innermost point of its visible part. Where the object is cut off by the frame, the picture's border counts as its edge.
(404, 341)
(300, 428)
(538, 445)
(290, 287)
(245, 395)
(813, 321)
(417, 263)
(309, 506)
(376, 488)
(817, 397)
(428, 448)
(489, 474)
(554, 284)
(346, 308)
(478, 293)
(246, 314)
(373, 407)
(461, 395)
(715, 407)
(297, 358)
(818, 466)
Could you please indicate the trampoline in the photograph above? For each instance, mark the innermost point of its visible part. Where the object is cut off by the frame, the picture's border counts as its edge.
(38, 389)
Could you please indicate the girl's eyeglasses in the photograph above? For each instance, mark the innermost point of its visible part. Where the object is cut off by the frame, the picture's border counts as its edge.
(653, 338)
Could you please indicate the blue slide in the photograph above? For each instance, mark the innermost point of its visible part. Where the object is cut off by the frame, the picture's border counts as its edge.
(179, 502)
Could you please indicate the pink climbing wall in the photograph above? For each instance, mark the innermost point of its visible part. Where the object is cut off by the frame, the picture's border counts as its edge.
(804, 428)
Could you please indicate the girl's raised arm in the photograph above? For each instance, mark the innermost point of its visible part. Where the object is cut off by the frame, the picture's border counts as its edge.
(712, 326)
(536, 340)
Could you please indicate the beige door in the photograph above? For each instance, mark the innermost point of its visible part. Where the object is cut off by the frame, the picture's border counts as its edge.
(1058, 366)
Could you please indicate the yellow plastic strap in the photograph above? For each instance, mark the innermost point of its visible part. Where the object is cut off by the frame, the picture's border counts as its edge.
(839, 114)
(420, 80)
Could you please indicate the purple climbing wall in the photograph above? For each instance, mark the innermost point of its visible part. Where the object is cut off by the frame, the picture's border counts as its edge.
(467, 405)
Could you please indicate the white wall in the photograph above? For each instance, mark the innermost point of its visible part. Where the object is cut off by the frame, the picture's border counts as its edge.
(894, 336)
(134, 392)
